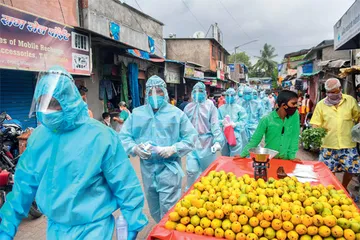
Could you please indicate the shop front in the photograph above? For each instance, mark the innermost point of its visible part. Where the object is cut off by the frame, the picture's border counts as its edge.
(192, 75)
(30, 44)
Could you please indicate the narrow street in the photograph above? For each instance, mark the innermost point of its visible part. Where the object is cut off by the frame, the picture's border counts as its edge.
(36, 229)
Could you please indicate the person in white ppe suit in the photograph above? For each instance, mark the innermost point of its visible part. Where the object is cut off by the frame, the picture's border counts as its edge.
(240, 94)
(254, 111)
(204, 116)
(160, 134)
(238, 118)
(266, 103)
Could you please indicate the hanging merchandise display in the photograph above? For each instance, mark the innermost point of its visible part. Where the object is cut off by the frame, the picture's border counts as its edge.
(105, 88)
(124, 89)
(134, 84)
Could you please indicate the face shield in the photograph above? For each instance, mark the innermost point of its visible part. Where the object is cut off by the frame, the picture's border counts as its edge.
(44, 99)
(156, 97)
(50, 90)
(229, 97)
(199, 95)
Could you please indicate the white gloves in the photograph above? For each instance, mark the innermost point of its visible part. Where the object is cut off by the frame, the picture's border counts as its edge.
(141, 152)
(166, 152)
(233, 125)
(216, 147)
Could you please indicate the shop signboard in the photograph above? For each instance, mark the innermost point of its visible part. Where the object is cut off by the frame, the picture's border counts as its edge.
(29, 42)
(213, 83)
(189, 72)
(220, 75)
(172, 73)
(198, 74)
(347, 27)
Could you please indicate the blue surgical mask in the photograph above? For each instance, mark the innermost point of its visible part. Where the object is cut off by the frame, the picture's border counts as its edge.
(199, 97)
(247, 97)
(229, 99)
(51, 120)
(255, 96)
(159, 101)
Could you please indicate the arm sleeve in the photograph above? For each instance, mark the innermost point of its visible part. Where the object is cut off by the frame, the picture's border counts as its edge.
(221, 118)
(188, 136)
(126, 136)
(122, 179)
(261, 111)
(18, 201)
(215, 127)
(355, 111)
(241, 121)
(294, 138)
(256, 138)
(316, 118)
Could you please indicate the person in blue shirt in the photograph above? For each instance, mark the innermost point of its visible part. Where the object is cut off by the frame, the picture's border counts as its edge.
(204, 116)
(254, 111)
(238, 118)
(75, 167)
(184, 103)
(160, 134)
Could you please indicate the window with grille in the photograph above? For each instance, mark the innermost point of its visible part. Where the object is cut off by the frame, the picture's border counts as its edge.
(80, 42)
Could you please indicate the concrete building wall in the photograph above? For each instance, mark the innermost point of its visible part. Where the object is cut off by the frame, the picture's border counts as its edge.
(197, 51)
(51, 9)
(134, 27)
(214, 58)
(328, 53)
(93, 83)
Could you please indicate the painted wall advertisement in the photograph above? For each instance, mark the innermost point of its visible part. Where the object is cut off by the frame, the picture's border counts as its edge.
(172, 73)
(28, 42)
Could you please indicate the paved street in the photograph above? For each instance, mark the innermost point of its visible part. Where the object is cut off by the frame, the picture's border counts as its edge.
(36, 229)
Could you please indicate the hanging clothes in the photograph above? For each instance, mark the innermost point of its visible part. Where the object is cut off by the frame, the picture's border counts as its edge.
(134, 84)
(124, 90)
(105, 88)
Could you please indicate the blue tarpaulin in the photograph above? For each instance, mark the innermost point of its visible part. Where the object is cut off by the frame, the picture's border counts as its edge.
(139, 53)
(151, 45)
(115, 31)
(134, 85)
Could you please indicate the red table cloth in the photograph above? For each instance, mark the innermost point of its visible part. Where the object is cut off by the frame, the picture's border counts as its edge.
(241, 166)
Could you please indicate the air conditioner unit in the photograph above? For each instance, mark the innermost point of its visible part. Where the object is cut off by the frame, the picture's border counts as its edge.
(228, 69)
(220, 65)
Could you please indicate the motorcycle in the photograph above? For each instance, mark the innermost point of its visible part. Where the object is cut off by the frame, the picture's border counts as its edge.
(307, 124)
(9, 155)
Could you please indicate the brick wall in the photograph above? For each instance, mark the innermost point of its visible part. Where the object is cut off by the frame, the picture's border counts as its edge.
(49, 9)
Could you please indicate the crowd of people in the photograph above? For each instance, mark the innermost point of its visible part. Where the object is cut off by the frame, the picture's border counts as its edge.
(78, 168)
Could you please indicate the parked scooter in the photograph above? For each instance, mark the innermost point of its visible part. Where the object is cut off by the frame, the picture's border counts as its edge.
(9, 155)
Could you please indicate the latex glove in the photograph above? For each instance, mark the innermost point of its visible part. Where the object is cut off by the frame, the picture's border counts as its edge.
(132, 235)
(166, 152)
(216, 147)
(233, 125)
(140, 151)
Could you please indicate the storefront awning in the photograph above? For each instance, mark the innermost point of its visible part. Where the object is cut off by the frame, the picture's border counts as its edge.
(310, 74)
(344, 72)
(196, 79)
(334, 63)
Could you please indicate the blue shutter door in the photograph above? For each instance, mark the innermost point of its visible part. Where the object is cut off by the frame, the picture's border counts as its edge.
(16, 93)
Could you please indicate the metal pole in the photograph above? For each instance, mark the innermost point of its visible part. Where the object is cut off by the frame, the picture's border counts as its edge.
(236, 77)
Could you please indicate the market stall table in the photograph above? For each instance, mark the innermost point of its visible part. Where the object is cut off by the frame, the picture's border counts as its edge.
(239, 167)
